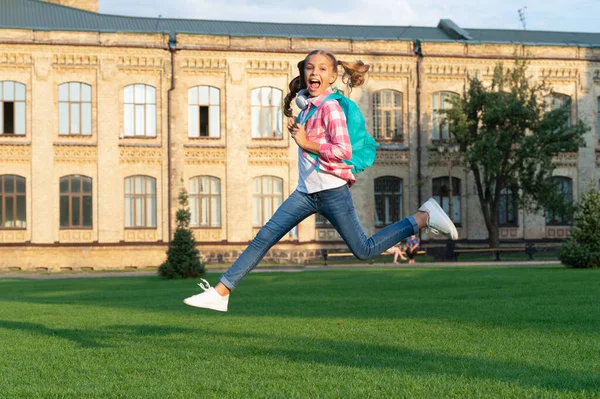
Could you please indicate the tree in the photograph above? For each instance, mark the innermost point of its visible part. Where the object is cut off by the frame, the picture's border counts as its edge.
(182, 256)
(582, 249)
(508, 138)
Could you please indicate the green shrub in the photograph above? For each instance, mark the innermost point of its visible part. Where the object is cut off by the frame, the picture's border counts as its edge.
(582, 249)
(183, 260)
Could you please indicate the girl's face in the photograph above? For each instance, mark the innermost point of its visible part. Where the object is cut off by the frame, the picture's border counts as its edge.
(319, 74)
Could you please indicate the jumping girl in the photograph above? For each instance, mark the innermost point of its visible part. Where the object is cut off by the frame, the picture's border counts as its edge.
(323, 189)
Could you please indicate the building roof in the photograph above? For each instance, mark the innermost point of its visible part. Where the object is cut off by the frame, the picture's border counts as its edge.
(40, 15)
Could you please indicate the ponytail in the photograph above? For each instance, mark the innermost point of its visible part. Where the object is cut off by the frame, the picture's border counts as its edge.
(354, 73)
(295, 86)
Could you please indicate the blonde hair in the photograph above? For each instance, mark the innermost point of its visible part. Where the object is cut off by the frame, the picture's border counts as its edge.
(353, 76)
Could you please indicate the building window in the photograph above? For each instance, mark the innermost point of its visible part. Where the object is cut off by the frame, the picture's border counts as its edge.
(388, 200)
(321, 222)
(139, 114)
(140, 202)
(75, 109)
(12, 202)
(555, 101)
(12, 108)
(204, 119)
(75, 202)
(442, 192)
(267, 114)
(564, 189)
(205, 201)
(507, 209)
(441, 101)
(387, 115)
(267, 196)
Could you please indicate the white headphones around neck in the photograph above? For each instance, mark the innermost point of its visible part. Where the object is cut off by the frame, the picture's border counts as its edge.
(302, 99)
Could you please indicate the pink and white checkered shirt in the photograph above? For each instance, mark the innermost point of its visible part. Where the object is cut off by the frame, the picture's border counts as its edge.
(327, 127)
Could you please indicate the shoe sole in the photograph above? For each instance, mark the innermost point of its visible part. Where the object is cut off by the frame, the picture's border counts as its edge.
(454, 232)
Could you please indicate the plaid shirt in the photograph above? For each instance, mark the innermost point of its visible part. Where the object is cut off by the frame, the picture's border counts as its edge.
(327, 127)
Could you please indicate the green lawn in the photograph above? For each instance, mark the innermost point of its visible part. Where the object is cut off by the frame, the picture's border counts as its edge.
(383, 333)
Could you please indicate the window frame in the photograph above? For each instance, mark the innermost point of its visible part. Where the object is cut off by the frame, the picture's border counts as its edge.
(392, 211)
(508, 198)
(195, 105)
(15, 195)
(18, 97)
(456, 197)
(210, 196)
(262, 197)
(439, 125)
(563, 219)
(148, 132)
(557, 100)
(147, 199)
(379, 111)
(82, 122)
(81, 196)
(275, 112)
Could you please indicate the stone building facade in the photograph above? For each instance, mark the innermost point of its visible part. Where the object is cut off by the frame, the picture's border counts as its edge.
(101, 129)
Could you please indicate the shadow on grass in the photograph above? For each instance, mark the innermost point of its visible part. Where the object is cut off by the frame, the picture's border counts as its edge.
(310, 350)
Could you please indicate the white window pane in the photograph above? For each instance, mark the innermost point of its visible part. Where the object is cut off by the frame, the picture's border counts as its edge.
(266, 122)
(278, 186)
(86, 93)
(216, 211)
(265, 97)
(203, 95)
(193, 121)
(139, 94)
(267, 187)
(214, 122)
(9, 91)
(194, 211)
(129, 222)
(74, 91)
(204, 212)
(255, 122)
(151, 212)
(214, 96)
(151, 185)
(63, 118)
(276, 98)
(193, 96)
(75, 116)
(255, 97)
(139, 120)
(20, 117)
(256, 219)
(256, 185)
(194, 185)
(129, 185)
(215, 186)
(86, 119)
(268, 208)
(150, 95)
(277, 117)
(128, 95)
(435, 101)
(139, 211)
(128, 119)
(63, 92)
(151, 120)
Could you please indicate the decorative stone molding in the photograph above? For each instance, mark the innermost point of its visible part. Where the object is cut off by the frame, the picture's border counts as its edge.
(205, 156)
(219, 64)
(8, 236)
(267, 66)
(565, 159)
(15, 154)
(446, 72)
(79, 154)
(560, 74)
(68, 236)
(143, 155)
(145, 235)
(131, 61)
(15, 59)
(558, 231)
(268, 156)
(75, 59)
(207, 234)
(509, 232)
(391, 158)
(390, 69)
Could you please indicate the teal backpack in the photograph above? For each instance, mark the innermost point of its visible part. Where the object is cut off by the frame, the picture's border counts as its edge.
(363, 144)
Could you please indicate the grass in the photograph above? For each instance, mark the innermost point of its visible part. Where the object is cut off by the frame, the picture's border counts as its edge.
(404, 333)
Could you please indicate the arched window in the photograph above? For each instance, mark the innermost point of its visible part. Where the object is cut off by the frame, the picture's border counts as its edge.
(12, 202)
(507, 210)
(564, 189)
(205, 201)
(140, 202)
(555, 101)
(204, 114)
(388, 200)
(387, 115)
(267, 113)
(139, 112)
(267, 196)
(12, 108)
(75, 109)
(75, 201)
(442, 192)
(440, 101)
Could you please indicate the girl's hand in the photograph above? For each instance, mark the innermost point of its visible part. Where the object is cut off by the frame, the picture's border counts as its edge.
(297, 132)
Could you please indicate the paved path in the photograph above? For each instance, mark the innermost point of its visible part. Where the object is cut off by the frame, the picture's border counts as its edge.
(269, 269)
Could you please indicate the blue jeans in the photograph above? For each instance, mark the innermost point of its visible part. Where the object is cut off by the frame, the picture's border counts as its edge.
(336, 205)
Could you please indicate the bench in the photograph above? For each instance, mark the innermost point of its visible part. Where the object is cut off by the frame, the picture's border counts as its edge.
(329, 255)
(529, 249)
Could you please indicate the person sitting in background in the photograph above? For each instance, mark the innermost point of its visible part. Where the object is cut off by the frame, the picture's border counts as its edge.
(397, 252)
(412, 246)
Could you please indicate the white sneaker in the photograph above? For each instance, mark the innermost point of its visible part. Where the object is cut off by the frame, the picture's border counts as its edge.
(438, 222)
(209, 299)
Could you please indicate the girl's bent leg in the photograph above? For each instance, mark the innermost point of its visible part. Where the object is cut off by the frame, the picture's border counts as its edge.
(294, 209)
(338, 208)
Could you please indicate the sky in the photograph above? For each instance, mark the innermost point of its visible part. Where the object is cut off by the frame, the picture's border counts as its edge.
(564, 16)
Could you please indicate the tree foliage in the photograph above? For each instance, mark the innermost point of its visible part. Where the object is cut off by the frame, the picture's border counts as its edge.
(508, 140)
(183, 259)
(582, 249)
